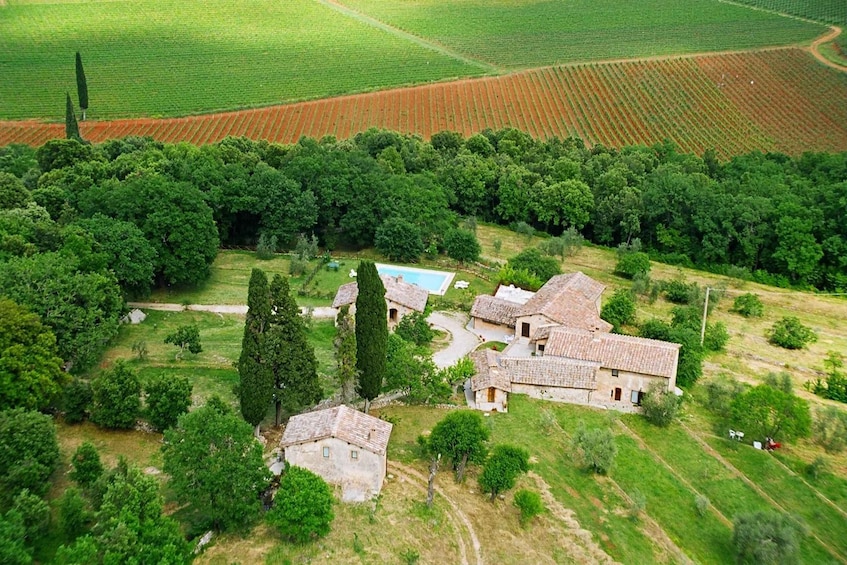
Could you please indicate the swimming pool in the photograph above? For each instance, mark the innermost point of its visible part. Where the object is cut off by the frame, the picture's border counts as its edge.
(435, 282)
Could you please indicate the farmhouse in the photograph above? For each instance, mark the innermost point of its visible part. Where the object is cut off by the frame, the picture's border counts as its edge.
(344, 446)
(401, 298)
(561, 350)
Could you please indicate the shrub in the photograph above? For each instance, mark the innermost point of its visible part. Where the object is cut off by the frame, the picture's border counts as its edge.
(117, 398)
(817, 467)
(749, 306)
(297, 266)
(791, 334)
(520, 278)
(73, 516)
(701, 503)
(680, 292)
(168, 398)
(78, 396)
(830, 429)
(619, 310)
(530, 505)
(532, 261)
(631, 260)
(302, 509)
(502, 468)
(716, 337)
(767, 537)
(86, 464)
(266, 247)
(462, 245)
(659, 406)
(415, 329)
(637, 504)
(595, 448)
(719, 394)
(35, 513)
(185, 337)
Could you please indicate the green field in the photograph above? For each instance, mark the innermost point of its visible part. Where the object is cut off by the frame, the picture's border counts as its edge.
(168, 57)
(528, 33)
(829, 11)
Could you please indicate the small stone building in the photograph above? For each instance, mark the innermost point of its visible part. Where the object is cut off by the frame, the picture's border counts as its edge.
(344, 446)
(490, 385)
(401, 298)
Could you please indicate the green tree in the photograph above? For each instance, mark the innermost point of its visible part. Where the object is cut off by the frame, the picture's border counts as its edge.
(345, 353)
(399, 240)
(749, 305)
(530, 505)
(185, 337)
(502, 468)
(73, 517)
(535, 263)
(619, 310)
(595, 447)
(31, 373)
(790, 333)
(217, 467)
(13, 193)
(81, 85)
(71, 126)
(29, 452)
(568, 203)
(462, 245)
(13, 550)
(660, 406)
(35, 514)
(168, 398)
(830, 429)
(77, 400)
(302, 509)
(460, 436)
(415, 329)
(371, 332)
(767, 537)
(117, 397)
(631, 264)
(764, 411)
(256, 378)
(289, 354)
(86, 465)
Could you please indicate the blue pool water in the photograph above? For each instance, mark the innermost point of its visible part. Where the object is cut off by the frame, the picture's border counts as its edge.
(435, 282)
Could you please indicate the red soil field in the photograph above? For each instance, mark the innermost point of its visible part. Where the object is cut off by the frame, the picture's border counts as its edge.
(775, 100)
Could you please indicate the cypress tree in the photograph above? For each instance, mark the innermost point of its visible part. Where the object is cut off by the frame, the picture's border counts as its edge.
(81, 85)
(290, 355)
(371, 332)
(71, 127)
(345, 352)
(256, 388)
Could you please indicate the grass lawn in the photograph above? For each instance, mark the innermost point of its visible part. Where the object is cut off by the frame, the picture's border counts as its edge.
(531, 33)
(168, 58)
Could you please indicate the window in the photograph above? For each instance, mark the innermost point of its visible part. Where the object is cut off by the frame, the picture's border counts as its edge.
(616, 373)
(326, 452)
(636, 396)
(618, 394)
(524, 329)
(541, 348)
(392, 314)
(354, 454)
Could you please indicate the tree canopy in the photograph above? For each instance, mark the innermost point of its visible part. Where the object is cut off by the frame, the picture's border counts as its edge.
(460, 436)
(256, 382)
(29, 452)
(371, 331)
(302, 509)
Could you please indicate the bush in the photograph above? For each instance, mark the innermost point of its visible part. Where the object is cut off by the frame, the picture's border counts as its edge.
(716, 337)
(530, 505)
(749, 306)
(595, 448)
(297, 266)
(767, 537)
(168, 398)
(73, 516)
(830, 429)
(266, 247)
(462, 245)
(532, 261)
(86, 464)
(637, 504)
(791, 334)
(719, 395)
(78, 396)
(117, 398)
(399, 240)
(302, 509)
(35, 513)
(619, 310)
(185, 337)
(631, 260)
(520, 278)
(659, 406)
(502, 468)
(701, 503)
(680, 292)
(415, 329)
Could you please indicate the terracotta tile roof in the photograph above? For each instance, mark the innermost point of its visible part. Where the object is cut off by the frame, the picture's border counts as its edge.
(396, 290)
(347, 424)
(613, 351)
(551, 371)
(496, 310)
(570, 300)
(543, 332)
(488, 372)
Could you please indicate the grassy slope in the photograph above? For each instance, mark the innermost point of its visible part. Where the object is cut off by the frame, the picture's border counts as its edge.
(829, 11)
(168, 57)
(530, 33)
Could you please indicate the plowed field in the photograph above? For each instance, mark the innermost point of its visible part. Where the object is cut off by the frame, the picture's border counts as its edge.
(777, 100)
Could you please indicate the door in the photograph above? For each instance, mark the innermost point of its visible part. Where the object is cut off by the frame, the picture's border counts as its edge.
(524, 329)
(491, 394)
(617, 394)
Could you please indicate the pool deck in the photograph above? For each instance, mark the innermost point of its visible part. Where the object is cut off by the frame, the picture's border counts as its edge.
(445, 284)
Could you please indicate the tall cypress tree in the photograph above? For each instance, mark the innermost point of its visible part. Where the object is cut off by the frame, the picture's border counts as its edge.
(345, 352)
(71, 127)
(256, 388)
(371, 332)
(81, 85)
(290, 355)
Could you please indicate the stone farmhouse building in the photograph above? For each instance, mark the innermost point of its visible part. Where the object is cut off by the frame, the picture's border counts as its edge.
(561, 350)
(401, 297)
(344, 446)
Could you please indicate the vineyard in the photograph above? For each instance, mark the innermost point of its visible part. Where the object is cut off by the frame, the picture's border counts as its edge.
(829, 11)
(778, 100)
(531, 33)
(170, 57)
